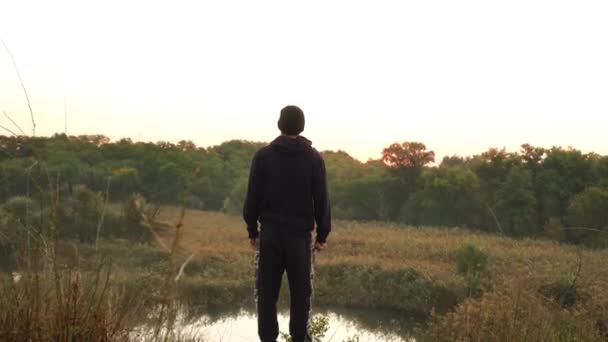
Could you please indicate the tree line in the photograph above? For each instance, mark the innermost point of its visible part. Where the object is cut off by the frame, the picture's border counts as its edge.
(558, 193)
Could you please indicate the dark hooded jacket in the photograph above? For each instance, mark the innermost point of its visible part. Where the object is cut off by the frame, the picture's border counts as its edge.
(287, 190)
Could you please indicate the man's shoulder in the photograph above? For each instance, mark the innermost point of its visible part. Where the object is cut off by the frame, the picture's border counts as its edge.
(264, 150)
(317, 156)
(316, 153)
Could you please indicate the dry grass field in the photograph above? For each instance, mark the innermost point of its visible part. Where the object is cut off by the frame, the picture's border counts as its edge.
(531, 290)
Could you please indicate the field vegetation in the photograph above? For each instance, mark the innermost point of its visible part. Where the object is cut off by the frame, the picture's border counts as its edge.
(94, 246)
(557, 193)
(469, 286)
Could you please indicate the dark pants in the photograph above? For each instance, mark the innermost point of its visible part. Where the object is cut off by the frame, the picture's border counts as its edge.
(276, 253)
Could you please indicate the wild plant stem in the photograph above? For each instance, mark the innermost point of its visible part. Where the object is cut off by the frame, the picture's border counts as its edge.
(8, 130)
(14, 123)
(27, 98)
(103, 214)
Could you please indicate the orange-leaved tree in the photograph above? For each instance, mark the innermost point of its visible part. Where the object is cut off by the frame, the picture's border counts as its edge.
(407, 155)
(407, 160)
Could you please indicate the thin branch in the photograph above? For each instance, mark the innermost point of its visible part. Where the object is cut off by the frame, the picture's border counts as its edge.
(27, 214)
(495, 219)
(14, 123)
(65, 116)
(182, 214)
(587, 229)
(8, 130)
(183, 267)
(146, 222)
(27, 98)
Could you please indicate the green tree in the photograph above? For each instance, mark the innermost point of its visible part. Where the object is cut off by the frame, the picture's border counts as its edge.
(406, 161)
(125, 181)
(236, 199)
(516, 204)
(532, 159)
(449, 197)
(564, 173)
(492, 168)
(366, 198)
(449, 161)
(588, 217)
(600, 171)
(14, 177)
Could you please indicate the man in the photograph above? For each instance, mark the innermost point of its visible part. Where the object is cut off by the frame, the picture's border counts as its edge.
(287, 193)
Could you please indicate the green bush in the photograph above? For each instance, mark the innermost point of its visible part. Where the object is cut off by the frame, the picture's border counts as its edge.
(21, 211)
(19, 218)
(472, 263)
(371, 286)
(563, 291)
(79, 214)
(471, 259)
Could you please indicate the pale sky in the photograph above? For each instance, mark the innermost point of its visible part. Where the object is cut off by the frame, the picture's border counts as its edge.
(459, 76)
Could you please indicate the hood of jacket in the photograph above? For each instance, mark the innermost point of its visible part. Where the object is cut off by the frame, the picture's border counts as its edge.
(289, 145)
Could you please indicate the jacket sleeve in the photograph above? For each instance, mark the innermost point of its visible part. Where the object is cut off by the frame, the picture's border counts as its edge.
(251, 208)
(321, 201)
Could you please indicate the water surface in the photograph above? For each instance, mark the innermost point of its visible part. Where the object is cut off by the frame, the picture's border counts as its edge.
(343, 323)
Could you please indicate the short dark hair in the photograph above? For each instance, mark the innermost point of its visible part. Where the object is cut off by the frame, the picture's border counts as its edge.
(291, 121)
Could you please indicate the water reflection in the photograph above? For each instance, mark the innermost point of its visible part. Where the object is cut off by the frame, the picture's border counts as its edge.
(241, 326)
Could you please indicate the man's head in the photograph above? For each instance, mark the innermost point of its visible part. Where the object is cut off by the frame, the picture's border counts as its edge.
(291, 121)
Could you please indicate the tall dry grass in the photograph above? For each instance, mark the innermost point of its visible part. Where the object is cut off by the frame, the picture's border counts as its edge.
(66, 306)
(60, 294)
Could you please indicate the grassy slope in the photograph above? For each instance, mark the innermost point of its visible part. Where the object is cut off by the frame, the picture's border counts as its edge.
(393, 246)
(405, 268)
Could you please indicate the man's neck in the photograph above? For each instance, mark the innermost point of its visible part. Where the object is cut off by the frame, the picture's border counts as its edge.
(291, 136)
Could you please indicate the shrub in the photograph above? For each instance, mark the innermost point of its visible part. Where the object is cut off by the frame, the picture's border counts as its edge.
(472, 263)
(19, 217)
(471, 259)
(563, 291)
(21, 211)
(79, 214)
(509, 316)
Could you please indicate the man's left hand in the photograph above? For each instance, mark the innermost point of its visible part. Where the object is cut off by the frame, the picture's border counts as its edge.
(319, 246)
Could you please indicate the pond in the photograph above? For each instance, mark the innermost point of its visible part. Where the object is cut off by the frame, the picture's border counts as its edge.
(241, 326)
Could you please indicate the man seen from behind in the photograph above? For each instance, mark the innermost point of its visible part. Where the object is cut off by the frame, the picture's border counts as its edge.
(287, 194)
